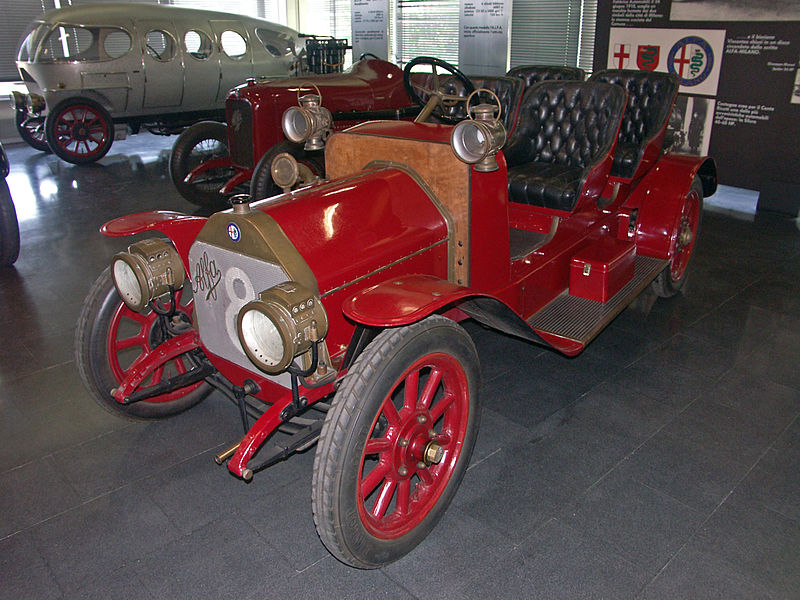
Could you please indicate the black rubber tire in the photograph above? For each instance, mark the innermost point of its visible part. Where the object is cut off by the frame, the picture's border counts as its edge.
(354, 415)
(9, 228)
(59, 141)
(91, 358)
(32, 131)
(196, 144)
(665, 285)
(261, 184)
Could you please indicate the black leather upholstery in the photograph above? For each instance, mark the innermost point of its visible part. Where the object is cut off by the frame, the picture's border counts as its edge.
(565, 129)
(650, 99)
(508, 89)
(531, 74)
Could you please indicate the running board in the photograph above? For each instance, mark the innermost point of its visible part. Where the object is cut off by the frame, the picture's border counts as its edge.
(577, 321)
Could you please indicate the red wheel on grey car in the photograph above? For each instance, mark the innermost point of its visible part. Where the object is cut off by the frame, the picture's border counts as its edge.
(196, 145)
(396, 442)
(110, 337)
(79, 130)
(31, 129)
(684, 237)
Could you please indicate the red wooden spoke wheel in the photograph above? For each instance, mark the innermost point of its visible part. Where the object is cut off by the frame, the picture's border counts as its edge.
(133, 334)
(79, 130)
(684, 237)
(396, 442)
(110, 337)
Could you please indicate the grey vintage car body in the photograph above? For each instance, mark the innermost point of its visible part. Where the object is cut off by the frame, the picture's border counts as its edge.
(81, 50)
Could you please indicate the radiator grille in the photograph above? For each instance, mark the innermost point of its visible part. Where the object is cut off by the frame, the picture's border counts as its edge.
(239, 114)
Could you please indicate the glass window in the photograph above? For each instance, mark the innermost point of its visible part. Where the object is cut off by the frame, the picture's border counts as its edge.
(233, 44)
(160, 45)
(71, 42)
(197, 44)
(275, 43)
(117, 43)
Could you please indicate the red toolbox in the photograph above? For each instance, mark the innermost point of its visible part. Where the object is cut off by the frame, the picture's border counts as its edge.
(599, 271)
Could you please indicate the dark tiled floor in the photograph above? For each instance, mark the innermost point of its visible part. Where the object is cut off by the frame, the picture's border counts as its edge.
(664, 462)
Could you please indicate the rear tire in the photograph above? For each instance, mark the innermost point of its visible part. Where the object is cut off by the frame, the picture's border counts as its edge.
(673, 278)
(9, 228)
(198, 144)
(103, 348)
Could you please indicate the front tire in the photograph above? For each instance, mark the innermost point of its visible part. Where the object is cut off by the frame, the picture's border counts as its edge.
(31, 129)
(396, 442)
(673, 278)
(262, 185)
(9, 227)
(195, 145)
(79, 130)
(110, 336)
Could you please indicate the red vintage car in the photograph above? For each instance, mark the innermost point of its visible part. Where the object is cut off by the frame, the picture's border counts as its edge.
(209, 158)
(331, 313)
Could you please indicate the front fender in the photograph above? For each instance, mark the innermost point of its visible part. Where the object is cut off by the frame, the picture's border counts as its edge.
(405, 300)
(181, 229)
(659, 199)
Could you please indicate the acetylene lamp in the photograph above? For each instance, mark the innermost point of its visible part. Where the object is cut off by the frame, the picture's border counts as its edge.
(476, 140)
(147, 270)
(281, 324)
(310, 122)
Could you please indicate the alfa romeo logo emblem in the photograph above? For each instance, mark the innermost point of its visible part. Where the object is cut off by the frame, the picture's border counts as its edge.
(691, 59)
(233, 232)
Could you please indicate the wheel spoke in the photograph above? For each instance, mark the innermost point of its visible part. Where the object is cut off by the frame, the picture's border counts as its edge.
(371, 481)
(411, 392)
(441, 406)
(377, 446)
(403, 498)
(157, 375)
(390, 412)
(425, 476)
(384, 498)
(180, 367)
(126, 343)
(434, 379)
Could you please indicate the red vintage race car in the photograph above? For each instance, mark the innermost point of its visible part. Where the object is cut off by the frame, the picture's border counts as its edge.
(210, 158)
(331, 313)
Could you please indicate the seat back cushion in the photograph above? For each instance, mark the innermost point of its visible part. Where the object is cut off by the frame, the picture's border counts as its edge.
(650, 99)
(563, 131)
(532, 74)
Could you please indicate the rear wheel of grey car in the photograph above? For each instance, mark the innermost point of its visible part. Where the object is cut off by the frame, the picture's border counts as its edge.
(262, 185)
(199, 144)
(79, 130)
(31, 129)
(110, 337)
(396, 442)
(9, 228)
(684, 237)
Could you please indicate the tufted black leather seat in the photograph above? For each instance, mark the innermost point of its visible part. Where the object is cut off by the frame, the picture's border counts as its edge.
(508, 89)
(532, 74)
(563, 134)
(650, 99)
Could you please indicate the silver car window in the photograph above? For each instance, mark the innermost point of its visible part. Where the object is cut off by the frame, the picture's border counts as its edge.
(197, 44)
(117, 43)
(160, 45)
(76, 43)
(233, 44)
(276, 44)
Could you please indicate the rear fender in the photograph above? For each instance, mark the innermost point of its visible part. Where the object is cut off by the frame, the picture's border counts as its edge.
(659, 199)
(405, 300)
(181, 229)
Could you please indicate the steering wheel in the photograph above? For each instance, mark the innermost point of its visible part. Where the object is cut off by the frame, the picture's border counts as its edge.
(368, 55)
(413, 89)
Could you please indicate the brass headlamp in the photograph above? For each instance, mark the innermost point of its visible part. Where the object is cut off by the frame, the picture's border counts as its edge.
(146, 271)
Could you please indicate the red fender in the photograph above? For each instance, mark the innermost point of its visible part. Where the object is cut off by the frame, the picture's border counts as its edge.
(180, 228)
(659, 199)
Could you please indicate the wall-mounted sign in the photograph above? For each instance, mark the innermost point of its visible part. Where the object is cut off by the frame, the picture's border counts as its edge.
(484, 33)
(370, 25)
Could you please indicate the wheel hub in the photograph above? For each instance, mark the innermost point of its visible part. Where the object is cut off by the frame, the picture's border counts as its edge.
(685, 235)
(415, 447)
(80, 132)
